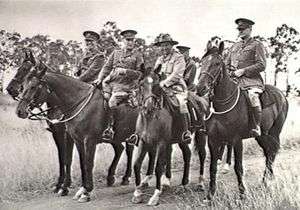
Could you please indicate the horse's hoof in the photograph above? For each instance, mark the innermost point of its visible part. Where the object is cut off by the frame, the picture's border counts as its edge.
(55, 189)
(206, 202)
(225, 169)
(110, 181)
(63, 192)
(154, 200)
(78, 194)
(84, 198)
(144, 185)
(137, 199)
(125, 182)
(200, 188)
(243, 196)
(185, 182)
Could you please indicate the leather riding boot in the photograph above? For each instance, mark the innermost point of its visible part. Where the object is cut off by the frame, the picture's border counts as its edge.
(108, 133)
(186, 135)
(257, 114)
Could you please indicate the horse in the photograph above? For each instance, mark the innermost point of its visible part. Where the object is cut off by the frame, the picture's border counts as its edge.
(231, 107)
(37, 96)
(157, 131)
(86, 136)
(62, 139)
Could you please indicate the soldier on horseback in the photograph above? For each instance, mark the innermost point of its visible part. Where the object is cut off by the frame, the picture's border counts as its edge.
(171, 67)
(93, 59)
(247, 59)
(190, 70)
(119, 76)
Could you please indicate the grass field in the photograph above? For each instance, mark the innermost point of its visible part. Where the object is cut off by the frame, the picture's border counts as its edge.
(29, 164)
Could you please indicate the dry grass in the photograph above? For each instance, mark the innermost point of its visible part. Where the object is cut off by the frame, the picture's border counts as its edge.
(29, 165)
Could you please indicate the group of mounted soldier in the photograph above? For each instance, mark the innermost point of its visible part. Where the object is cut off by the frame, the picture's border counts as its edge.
(119, 72)
(171, 106)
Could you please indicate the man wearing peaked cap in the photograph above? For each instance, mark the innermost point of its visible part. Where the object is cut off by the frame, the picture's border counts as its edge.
(171, 65)
(247, 59)
(120, 75)
(92, 61)
(190, 69)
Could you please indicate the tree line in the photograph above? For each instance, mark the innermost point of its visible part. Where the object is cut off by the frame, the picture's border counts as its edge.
(64, 56)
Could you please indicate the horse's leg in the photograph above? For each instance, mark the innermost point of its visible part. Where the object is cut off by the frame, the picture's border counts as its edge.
(81, 152)
(214, 149)
(166, 178)
(200, 146)
(118, 148)
(149, 174)
(238, 166)
(69, 143)
(220, 154)
(58, 136)
(137, 195)
(129, 153)
(90, 149)
(226, 166)
(186, 154)
(159, 170)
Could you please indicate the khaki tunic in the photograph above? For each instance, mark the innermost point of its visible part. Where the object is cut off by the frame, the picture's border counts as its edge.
(90, 67)
(249, 55)
(173, 68)
(190, 73)
(121, 70)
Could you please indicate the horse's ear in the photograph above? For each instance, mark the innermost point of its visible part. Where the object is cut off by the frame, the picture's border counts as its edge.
(41, 70)
(31, 57)
(208, 46)
(221, 48)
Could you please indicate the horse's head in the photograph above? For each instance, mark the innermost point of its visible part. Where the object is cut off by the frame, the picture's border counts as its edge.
(15, 85)
(212, 66)
(35, 91)
(150, 92)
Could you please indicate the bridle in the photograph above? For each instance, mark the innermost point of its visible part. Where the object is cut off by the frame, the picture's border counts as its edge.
(214, 78)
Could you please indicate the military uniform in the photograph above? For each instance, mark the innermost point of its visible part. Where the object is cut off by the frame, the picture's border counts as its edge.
(120, 73)
(90, 66)
(247, 57)
(92, 62)
(190, 69)
(172, 67)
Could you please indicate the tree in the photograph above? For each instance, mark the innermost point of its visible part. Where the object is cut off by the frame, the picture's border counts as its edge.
(283, 45)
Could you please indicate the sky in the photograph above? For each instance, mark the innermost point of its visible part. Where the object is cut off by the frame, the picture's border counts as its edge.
(191, 22)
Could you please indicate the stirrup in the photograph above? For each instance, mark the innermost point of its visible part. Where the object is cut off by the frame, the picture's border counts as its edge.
(255, 132)
(186, 137)
(108, 134)
(133, 139)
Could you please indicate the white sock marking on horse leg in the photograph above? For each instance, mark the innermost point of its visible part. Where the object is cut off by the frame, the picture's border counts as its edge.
(165, 181)
(79, 193)
(153, 201)
(146, 179)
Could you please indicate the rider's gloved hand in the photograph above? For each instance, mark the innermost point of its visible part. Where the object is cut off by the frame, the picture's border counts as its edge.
(239, 72)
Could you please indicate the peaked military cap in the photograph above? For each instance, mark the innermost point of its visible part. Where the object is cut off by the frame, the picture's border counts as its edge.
(128, 34)
(164, 38)
(183, 49)
(244, 23)
(91, 35)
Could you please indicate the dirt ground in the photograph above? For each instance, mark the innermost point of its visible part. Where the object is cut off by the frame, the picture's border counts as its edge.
(119, 197)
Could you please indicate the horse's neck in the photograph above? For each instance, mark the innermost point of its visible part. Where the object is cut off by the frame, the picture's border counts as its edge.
(68, 90)
(225, 87)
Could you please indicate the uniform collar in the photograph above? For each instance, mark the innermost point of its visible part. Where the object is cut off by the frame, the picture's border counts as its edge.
(168, 57)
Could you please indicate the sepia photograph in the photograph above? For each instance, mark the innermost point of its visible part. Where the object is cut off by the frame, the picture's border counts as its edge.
(161, 104)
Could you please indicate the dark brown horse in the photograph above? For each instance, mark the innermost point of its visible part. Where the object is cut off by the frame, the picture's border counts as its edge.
(157, 131)
(63, 141)
(231, 121)
(72, 95)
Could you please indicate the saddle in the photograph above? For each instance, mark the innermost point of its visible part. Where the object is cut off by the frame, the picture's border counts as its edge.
(267, 98)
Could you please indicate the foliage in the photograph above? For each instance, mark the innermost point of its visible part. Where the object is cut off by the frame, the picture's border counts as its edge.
(283, 45)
